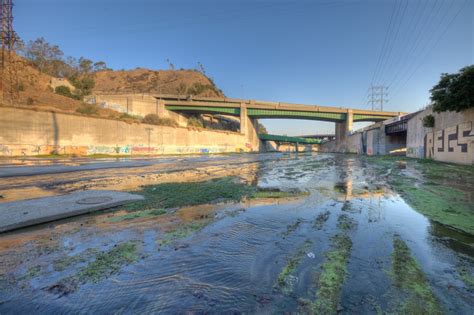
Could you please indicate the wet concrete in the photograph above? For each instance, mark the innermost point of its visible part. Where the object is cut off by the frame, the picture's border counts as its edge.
(227, 257)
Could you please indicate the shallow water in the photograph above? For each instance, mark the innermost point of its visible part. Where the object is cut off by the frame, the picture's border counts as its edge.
(233, 263)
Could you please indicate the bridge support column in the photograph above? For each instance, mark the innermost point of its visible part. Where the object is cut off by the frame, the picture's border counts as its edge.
(344, 128)
(162, 112)
(243, 118)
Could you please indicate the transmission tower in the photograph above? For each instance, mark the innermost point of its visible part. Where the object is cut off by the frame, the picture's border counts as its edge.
(378, 96)
(8, 72)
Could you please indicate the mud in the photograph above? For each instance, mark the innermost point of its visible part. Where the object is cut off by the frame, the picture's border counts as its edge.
(268, 233)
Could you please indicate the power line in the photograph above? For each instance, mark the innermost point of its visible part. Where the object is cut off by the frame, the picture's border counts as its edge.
(377, 96)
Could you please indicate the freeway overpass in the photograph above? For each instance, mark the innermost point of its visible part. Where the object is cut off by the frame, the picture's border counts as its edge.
(343, 117)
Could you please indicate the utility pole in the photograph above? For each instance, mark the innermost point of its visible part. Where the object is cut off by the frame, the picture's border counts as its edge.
(378, 96)
(7, 41)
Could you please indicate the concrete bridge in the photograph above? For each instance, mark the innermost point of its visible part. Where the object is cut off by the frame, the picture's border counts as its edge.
(343, 117)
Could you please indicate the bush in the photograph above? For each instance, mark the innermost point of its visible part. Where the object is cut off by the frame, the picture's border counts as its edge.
(153, 119)
(428, 121)
(126, 116)
(195, 122)
(30, 101)
(88, 109)
(65, 91)
(21, 87)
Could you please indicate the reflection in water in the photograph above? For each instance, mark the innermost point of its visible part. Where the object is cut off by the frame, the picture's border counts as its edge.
(227, 257)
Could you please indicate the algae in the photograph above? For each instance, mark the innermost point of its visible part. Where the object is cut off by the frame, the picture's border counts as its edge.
(408, 276)
(174, 195)
(321, 220)
(136, 215)
(31, 273)
(466, 276)
(182, 231)
(333, 274)
(292, 264)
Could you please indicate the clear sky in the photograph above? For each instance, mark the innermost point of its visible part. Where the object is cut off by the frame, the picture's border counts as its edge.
(325, 52)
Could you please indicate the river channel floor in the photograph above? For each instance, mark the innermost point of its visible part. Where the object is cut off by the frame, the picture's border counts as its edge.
(245, 233)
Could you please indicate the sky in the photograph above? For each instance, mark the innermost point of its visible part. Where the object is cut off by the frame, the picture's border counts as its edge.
(320, 52)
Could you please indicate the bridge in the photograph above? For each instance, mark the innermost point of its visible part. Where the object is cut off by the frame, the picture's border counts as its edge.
(343, 117)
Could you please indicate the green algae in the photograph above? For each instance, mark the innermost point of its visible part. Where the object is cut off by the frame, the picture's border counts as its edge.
(333, 274)
(63, 263)
(108, 263)
(441, 192)
(283, 279)
(345, 223)
(290, 228)
(408, 276)
(31, 273)
(182, 231)
(262, 194)
(466, 276)
(136, 215)
(321, 220)
(105, 264)
(174, 195)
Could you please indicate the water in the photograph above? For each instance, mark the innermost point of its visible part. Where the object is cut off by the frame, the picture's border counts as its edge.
(232, 264)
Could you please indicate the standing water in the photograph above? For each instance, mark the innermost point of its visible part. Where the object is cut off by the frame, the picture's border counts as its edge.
(255, 234)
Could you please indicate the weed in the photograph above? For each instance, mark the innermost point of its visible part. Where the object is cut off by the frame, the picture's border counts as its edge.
(293, 262)
(136, 215)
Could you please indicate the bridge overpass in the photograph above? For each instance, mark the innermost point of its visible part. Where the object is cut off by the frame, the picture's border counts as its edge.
(343, 117)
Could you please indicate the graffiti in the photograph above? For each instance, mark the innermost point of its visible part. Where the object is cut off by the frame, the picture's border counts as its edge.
(449, 141)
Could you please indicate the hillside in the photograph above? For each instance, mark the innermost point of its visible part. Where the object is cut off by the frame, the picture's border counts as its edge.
(36, 92)
(189, 82)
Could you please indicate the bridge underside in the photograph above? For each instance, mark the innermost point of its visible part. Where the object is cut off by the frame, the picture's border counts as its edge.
(276, 113)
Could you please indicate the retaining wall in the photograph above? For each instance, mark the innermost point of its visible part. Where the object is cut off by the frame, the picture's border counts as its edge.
(28, 132)
(450, 140)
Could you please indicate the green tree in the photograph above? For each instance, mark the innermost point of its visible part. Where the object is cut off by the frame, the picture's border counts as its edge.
(64, 91)
(454, 92)
(262, 129)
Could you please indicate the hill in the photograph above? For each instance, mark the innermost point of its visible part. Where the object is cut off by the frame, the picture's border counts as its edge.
(35, 89)
(189, 82)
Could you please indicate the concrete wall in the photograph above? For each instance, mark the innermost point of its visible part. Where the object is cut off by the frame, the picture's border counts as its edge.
(450, 140)
(28, 132)
(135, 104)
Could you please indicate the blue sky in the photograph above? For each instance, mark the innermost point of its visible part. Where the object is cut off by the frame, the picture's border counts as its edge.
(325, 52)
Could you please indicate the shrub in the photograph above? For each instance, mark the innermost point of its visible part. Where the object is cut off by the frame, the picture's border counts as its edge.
(30, 101)
(65, 91)
(428, 121)
(195, 122)
(153, 119)
(126, 116)
(88, 109)
(21, 87)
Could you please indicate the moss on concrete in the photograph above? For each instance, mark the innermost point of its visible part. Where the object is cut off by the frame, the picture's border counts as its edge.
(321, 220)
(292, 264)
(466, 276)
(333, 274)
(408, 276)
(31, 273)
(173, 195)
(67, 261)
(182, 231)
(108, 263)
(440, 193)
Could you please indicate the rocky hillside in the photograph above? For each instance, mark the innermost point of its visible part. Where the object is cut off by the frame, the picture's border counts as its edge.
(189, 82)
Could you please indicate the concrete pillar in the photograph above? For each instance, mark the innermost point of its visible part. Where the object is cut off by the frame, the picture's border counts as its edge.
(161, 110)
(344, 128)
(243, 118)
(349, 122)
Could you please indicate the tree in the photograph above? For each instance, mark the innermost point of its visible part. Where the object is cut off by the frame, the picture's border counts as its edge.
(45, 57)
(85, 65)
(454, 92)
(100, 66)
(262, 129)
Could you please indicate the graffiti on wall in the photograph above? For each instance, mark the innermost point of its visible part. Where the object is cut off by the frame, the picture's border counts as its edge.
(453, 140)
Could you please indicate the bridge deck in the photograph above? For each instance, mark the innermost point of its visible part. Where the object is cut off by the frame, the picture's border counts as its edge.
(262, 109)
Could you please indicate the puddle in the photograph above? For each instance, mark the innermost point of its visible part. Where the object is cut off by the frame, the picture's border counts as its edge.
(263, 255)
